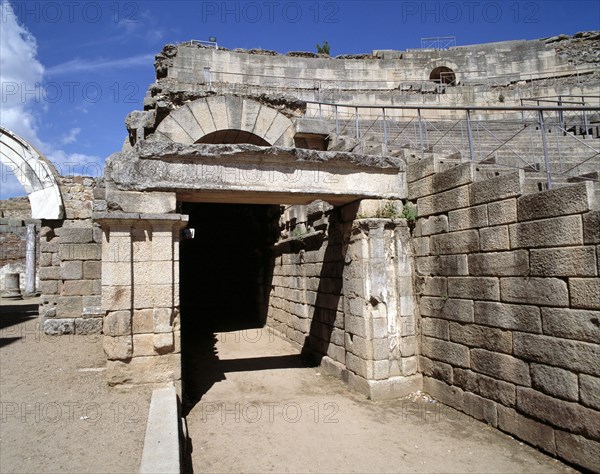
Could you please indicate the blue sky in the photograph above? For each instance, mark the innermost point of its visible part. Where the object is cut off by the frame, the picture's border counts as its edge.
(71, 70)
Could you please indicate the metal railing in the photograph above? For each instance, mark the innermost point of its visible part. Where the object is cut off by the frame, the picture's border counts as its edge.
(529, 137)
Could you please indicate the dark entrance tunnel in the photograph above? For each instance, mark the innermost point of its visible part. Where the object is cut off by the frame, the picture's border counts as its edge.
(225, 279)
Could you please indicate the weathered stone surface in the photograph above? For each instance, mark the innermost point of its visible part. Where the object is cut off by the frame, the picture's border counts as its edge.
(494, 239)
(501, 366)
(145, 370)
(117, 323)
(80, 251)
(589, 391)
(582, 325)
(87, 326)
(539, 291)
(481, 408)
(513, 263)
(50, 273)
(476, 288)
(591, 227)
(554, 381)
(74, 235)
(76, 288)
(553, 232)
(571, 355)
(131, 201)
(562, 201)
(469, 218)
(508, 316)
(453, 177)
(566, 415)
(496, 189)
(449, 352)
(570, 261)
(456, 198)
(70, 306)
(502, 212)
(92, 270)
(487, 387)
(447, 394)
(142, 321)
(444, 308)
(434, 286)
(420, 169)
(585, 292)
(59, 327)
(436, 369)
(534, 432)
(434, 327)
(484, 337)
(71, 270)
(578, 450)
(455, 243)
(118, 348)
(434, 225)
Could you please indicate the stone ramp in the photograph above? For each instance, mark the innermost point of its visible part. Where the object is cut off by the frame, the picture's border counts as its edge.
(266, 412)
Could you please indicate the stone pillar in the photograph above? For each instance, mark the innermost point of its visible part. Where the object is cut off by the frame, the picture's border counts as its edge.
(12, 290)
(379, 310)
(140, 295)
(30, 260)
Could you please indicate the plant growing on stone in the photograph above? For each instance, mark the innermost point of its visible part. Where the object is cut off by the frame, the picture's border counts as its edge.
(409, 213)
(324, 48)
(389, 211)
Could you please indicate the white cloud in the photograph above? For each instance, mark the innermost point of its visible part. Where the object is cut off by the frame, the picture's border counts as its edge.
(70, 137)
(20, 72)
(94, 65)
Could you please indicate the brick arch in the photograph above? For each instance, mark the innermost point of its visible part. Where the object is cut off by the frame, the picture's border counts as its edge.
(35, 173)
(200, 118)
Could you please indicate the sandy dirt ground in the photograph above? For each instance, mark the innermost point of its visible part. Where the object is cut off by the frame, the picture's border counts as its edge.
(57, 414)
(255, 406)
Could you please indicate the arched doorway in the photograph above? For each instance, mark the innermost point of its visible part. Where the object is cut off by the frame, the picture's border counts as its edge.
(443, 75)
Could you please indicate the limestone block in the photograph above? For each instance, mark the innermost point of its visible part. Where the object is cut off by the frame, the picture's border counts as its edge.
(578, 450)
(493, 239)
(554, 381)
(163, 320)
(421, 169)
(88, 326)
(80, 251)
(508, 316)
(589, 391)
(143, 345)
(469, 218)
(420, 188)
(445, 308)
(436, 369)
(502, 212)
(447, 394)
(434, 225)
(455, 243)
(501, 366)
(571, 355)
(118, 348)
(554, 232)
(71, 270)
(449, 352)
(92, 270)
(473, 335)
(514, 263)
(75, 235)
(50, 273)
(571, 261)
(76, 288)
(117, 323)
(453, 177)
(456, 198)
(591, 227)
(585, 292)
(143, 202)
(562, 201)
(576, 324)
(537, 291)
(69, 306)
(566, 415)
(481, 408)
(497, 189)
(143, 321)
(434, 327)
(487, 387)
(477, 288)
(49, 287)
(531, 431)
(409, 365)
(59, 327)
(434, 286)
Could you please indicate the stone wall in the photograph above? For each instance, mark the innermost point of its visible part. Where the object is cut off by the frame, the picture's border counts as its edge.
(70, 263)
(510, 303)
(13, 243)
(343, 291)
